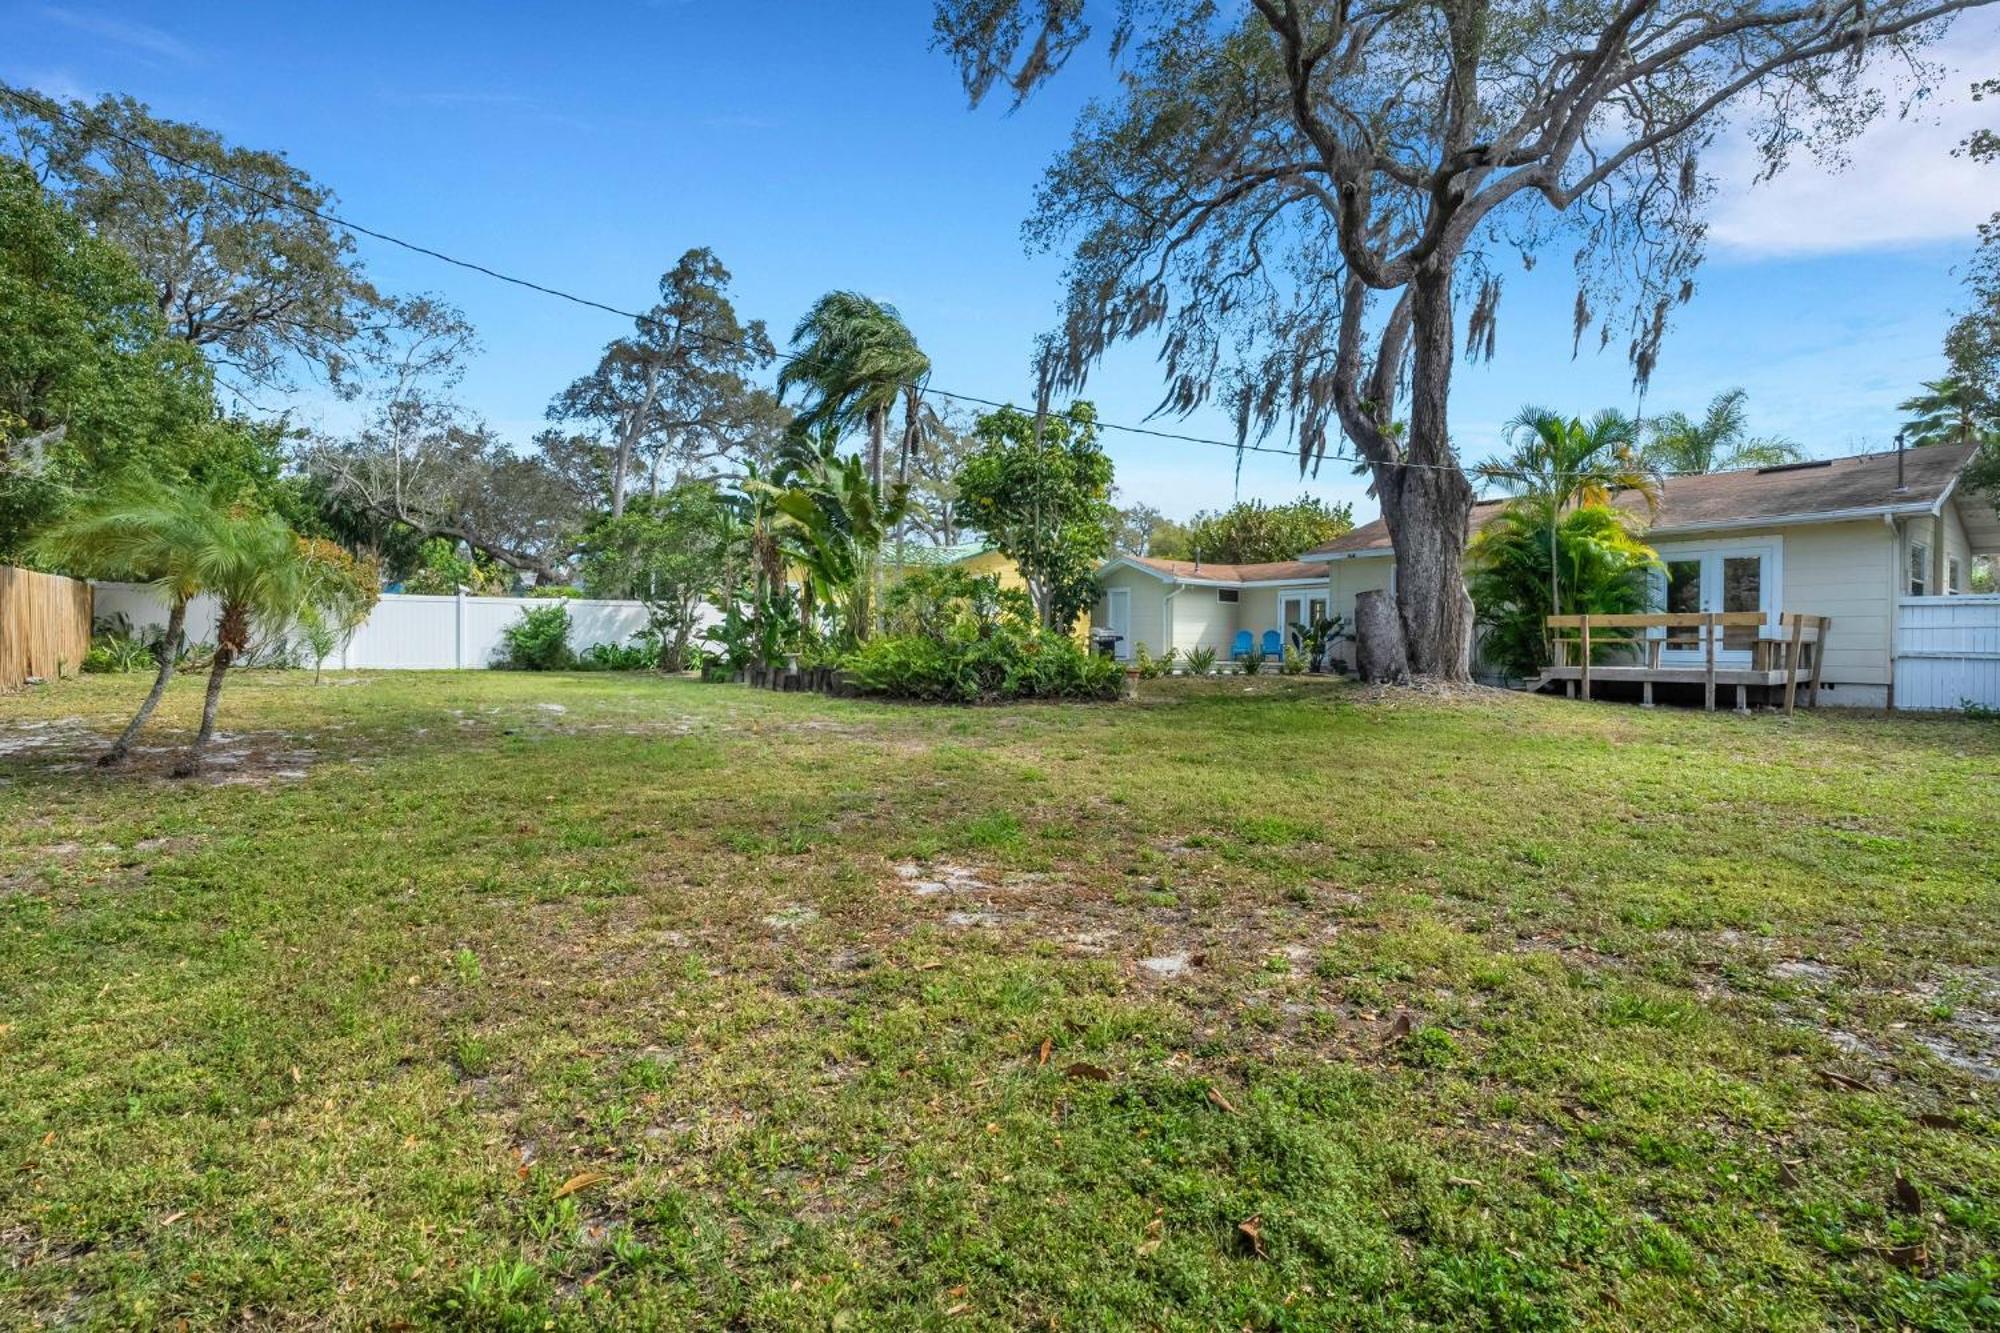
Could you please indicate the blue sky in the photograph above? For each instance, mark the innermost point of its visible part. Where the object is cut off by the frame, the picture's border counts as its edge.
(816, 146)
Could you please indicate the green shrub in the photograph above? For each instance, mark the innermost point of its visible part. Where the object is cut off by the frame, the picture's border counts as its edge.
(538, 641)
(641, 654)
(1151, 667)
(114, 652)
(962, 640)
(1252, 662)
(1201, 661)
(1294, 663)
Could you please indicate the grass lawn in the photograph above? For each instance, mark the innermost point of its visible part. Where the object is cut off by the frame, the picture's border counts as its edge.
(573, 1001)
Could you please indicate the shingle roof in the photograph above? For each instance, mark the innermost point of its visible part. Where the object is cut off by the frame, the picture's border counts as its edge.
(1277, 569)
(1838, 486)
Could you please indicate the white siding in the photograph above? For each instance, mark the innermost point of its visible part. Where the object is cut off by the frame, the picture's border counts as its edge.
(1148, 616)
(1345, 579)
(1201, 619)
(1948, 652)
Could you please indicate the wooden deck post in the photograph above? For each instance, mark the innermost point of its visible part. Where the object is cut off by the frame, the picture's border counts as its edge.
(1646, 694)
(1819, 655)
(1708, 637)
(1583, 653)
(1792, 663)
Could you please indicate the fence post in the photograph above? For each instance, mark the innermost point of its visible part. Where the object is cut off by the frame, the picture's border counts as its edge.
(458, 636)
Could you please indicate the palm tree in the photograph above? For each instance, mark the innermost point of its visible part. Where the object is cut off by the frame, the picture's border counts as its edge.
(856, 360)
(829, 526)
(1604, 568)
(251, 564)
(1950, 411)
(141, 530)
(1720, 442)
(1566, 463)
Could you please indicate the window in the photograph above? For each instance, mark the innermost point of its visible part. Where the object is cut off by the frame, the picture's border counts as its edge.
(1920, 569)
(1226, 594)
(1954, 575)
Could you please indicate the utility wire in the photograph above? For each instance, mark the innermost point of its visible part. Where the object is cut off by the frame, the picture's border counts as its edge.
(49, 107)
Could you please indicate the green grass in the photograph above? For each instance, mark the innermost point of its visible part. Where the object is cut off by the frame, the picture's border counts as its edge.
(578, 1001)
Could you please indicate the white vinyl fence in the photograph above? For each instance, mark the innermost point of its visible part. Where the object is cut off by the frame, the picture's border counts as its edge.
(405, 631)
(1948, 652)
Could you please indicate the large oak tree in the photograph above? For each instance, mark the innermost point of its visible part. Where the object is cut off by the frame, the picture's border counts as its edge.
(1300, 197)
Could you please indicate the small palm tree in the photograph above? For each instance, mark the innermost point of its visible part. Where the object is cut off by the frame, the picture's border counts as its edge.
(138, 529)
(1720, 442)
(1565, 463)
(251, 563)
(1950, 411)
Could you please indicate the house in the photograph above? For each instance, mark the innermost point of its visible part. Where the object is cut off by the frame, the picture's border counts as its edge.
(1189, 604)
(1851, 538)
(978, 559)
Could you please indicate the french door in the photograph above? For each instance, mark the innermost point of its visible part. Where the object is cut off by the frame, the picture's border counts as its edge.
(1298, 608)
(1727, 576)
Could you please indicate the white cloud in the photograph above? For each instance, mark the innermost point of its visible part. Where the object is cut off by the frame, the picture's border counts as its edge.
(139, 36)
(1901, 186)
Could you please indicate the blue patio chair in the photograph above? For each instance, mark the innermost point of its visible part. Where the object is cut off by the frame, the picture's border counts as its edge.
(1274, 643)
(1240, 649)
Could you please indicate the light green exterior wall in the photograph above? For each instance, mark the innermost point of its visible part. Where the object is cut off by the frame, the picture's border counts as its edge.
(1194, 617)
(1348, 578)
(1148, 610)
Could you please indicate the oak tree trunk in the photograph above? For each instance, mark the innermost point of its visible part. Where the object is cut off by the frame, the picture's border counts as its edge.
(170, 646)
(1428, 503)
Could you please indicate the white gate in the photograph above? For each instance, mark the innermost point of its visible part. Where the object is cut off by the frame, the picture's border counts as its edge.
(1948, 652)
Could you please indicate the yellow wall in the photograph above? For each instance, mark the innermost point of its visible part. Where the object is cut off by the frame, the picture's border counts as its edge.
(1003, 568)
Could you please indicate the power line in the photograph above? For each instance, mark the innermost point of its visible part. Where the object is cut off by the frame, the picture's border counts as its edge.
(47, 106)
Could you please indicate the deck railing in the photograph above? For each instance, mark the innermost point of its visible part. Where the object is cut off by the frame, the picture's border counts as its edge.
(1787, 648)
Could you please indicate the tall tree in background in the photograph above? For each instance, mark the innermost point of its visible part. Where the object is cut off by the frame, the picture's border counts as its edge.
(934, 509)
(1953, 410)
(1041, 492)
(90, 384)
(668, 551)
(243, 271)
(1297, 195)
(674, 392)
(1144, 530)
(1251, 532)
(856, 363)
(1720, 441)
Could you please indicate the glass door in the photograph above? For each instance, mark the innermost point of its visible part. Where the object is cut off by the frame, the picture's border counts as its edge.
(1118, 619)
(1291, 614)
(1725, 578)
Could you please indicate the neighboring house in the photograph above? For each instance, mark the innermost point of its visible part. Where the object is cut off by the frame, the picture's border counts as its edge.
(1850, 538)
(1189, 604)
(976, 558)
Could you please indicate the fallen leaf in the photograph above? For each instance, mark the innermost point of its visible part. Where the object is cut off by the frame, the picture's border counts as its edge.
(1465, 1182)
(1839, 1080)
(1215, 1095)
(1048, 1047)
(296, 1077)
(1907, 1256)
(958, 1309)
(48, 1138)
(172, 1218)
(1904, 1198)
(1936, 1120)
(1398, 1029)
(1254, 1229)
(957, 1291)
(1787, 1176)
(1094, 1073)
(582, 1180)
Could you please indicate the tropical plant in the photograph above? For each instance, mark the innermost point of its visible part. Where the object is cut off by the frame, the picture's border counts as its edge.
(443, 568)
(1563, 462)
(1315, 634)
(340, 590)
(1604, 569)
(830, 524)
(1294, 662)
(960, 638)
(1201, 661)
(1041, 492)
(154, 534)
(1151, 667)
(260, 571)
(1677, 444)
(642, 653)
(856, 361)
(1952, 410)
(669, 551)
(538, 641)
(1252, 662)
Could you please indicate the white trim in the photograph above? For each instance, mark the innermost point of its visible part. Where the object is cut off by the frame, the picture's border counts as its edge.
(1192, 581)
(1770, 590)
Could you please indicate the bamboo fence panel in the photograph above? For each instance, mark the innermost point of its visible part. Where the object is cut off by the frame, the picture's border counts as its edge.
(44, 625)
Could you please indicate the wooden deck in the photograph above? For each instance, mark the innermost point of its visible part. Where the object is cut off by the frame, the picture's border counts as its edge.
(1778, 659)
